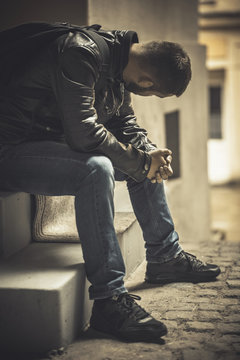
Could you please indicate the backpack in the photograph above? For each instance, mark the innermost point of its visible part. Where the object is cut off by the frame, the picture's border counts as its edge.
(19, 45)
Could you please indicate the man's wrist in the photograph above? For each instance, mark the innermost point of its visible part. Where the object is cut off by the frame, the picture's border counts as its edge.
(147, 163)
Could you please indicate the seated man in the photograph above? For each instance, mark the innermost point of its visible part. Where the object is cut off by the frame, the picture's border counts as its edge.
(68, 129)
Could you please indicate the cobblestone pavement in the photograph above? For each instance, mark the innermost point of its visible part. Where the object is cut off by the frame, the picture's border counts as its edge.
(203, 319)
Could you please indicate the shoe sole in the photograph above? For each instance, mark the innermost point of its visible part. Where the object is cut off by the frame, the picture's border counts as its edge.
(139, 335)
(194, 278)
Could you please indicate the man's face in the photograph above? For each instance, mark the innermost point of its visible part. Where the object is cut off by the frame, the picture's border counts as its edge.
(138, 90)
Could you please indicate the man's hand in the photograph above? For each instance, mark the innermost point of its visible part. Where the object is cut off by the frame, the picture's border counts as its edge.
(160, 167)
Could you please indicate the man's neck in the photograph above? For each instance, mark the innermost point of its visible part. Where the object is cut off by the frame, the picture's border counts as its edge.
(131, 69)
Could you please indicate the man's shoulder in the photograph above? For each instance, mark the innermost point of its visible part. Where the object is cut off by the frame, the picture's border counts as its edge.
(92, 40)
(91, 43)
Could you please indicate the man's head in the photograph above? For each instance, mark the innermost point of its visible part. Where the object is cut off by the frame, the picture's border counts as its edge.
(157, 68)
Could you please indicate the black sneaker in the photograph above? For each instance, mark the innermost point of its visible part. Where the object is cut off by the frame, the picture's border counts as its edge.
(185, 267)
(123, 317)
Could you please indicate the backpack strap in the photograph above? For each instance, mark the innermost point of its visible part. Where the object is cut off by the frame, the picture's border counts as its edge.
(103, 47)
(92, 32)
(19, 44)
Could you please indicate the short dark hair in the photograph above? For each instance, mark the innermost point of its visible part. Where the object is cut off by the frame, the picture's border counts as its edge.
(169, 64)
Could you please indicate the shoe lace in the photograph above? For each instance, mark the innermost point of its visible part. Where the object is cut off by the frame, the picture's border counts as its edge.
(127, 304)
(193, 261)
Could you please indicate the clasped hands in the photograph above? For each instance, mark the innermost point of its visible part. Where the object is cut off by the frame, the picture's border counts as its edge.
(161, 165)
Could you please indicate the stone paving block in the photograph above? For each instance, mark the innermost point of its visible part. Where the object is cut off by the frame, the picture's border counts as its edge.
(228, 301)
(218, 346)
(235, 318)
(230, 328)
(230, 254)
(236, 347)
(234, 276)
(233, 309)
(231, 339)
(208, 315)
(207, 292)
(174, 315)
(236, 267)
(228, 356)
(171, 325)
(198, 355)
(232, 293)
(181, 287)
(234, 284)
(213, 285)
(183, 344)
(225, 263)
(210, 307)
(196, 299)
(184, 307)
(191, 337)
(201, 326)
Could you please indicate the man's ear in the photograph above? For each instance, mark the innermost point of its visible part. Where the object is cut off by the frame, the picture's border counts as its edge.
(145, 83)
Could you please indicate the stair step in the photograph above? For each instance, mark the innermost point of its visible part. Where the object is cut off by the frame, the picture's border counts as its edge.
(44, 291)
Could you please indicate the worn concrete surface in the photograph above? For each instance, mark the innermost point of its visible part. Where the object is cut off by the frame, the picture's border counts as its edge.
(203, 319)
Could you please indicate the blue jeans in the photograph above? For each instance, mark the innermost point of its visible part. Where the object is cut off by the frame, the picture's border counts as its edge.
(51, 168)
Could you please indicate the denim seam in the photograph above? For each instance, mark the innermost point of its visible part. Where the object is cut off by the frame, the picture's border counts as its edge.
(150, 207)
(106, 294)
(99, 232)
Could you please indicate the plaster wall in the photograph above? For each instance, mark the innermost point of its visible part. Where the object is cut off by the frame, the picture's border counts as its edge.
(223, 154)
(172, 21)
(15, 12)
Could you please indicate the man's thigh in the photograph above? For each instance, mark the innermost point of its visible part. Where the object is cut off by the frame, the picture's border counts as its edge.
(44, 167)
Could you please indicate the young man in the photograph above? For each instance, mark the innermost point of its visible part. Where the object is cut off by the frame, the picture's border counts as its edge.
(65, 131)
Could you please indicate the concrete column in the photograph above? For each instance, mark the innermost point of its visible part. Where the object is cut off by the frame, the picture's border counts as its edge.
(232, 125)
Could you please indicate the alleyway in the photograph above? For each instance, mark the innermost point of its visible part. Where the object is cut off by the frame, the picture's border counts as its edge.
(203, 319)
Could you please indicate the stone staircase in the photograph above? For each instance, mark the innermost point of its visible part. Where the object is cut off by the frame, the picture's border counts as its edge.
(44, 300)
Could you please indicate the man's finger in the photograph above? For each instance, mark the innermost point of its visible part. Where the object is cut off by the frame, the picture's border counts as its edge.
(158, 177)
(169, 159)
(168, 170)
(163, 174)
(167, 152)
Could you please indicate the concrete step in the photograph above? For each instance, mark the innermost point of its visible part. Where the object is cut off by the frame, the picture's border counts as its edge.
(44, 291)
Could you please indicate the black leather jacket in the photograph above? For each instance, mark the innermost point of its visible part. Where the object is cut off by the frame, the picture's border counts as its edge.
(55, 99)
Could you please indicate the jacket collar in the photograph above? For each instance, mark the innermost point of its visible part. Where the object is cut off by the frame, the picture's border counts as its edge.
(123, 42)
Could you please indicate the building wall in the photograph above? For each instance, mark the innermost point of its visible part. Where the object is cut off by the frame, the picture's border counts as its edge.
(221, 34)
(173, 20)
(15, 12)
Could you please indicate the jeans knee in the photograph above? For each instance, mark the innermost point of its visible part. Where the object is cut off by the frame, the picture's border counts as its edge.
(102, 166)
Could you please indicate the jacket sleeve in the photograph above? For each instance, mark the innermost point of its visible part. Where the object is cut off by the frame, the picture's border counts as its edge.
(126, 129)
(77, 74)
